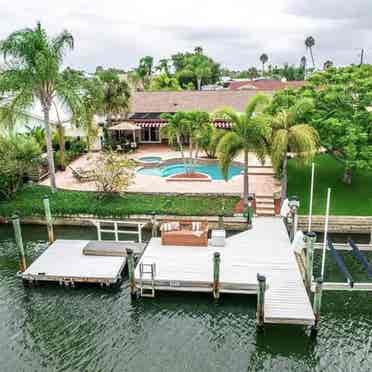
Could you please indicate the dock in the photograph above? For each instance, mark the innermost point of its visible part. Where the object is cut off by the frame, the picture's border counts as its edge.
(264, 250)
(64, 262)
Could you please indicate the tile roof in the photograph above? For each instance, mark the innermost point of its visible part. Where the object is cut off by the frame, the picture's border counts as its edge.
(157, 102)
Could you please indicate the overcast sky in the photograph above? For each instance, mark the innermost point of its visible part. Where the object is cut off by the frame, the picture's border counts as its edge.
(117, 33)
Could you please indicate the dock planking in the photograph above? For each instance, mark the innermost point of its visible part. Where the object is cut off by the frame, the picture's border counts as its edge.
(64, 262)
(265, 250)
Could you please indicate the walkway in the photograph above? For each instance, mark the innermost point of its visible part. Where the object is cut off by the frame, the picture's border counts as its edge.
(265, 250)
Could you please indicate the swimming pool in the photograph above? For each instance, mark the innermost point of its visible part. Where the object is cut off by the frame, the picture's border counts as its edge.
(150, 159)
(212, 170)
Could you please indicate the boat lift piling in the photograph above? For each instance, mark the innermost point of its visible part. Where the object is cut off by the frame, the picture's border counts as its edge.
(130, 262)
(49, 220)
(261, 301)
(310, 239)
(216, 275)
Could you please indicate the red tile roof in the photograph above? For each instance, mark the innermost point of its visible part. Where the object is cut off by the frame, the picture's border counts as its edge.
(270, 85)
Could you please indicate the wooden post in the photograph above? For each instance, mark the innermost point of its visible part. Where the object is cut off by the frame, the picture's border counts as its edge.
(317, 304)
(261, 300)
(19, 242)
(154, 227)
(370, 236)
(216, 275)
(310, 239)
(49, 221)
(220, 222)
(132, 282)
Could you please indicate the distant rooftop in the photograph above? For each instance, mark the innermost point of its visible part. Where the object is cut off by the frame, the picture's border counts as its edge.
(264, 84)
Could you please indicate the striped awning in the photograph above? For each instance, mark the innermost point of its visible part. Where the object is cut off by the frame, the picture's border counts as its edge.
(160, 123)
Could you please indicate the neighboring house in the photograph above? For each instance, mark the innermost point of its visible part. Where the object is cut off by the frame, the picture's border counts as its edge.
(263, 84)
(147, 107)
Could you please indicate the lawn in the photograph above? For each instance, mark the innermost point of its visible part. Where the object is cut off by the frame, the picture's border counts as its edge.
(353, 200)
(65, 203)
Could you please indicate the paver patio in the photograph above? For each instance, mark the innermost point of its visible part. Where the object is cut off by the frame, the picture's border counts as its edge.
(260, 184)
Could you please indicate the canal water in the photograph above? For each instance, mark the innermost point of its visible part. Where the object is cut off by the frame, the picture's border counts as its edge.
(51, 328)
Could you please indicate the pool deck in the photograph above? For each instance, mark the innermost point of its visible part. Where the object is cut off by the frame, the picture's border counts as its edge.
(190, 269)
(262, 182)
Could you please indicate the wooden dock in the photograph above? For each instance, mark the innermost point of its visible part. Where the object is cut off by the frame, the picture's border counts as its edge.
(64, 262)
(265, 250)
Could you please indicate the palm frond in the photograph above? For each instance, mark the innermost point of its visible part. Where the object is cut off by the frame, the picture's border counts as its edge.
(227, 113)
(228, 148)
(256, 104)
(303, 140)
(279, 147)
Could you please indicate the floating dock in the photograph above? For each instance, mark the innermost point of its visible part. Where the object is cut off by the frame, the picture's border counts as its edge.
(265, 250)
(65, 262)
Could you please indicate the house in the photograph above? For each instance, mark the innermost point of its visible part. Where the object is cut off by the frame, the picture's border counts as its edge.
(147, 107)
(263, 84)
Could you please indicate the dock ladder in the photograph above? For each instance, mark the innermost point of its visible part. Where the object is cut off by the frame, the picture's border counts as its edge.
(149, 289)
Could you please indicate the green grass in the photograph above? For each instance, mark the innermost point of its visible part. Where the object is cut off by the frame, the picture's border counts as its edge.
(66, 203)
(352, 200)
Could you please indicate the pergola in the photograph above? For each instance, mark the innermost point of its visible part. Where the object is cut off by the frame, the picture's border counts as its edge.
(126, 126)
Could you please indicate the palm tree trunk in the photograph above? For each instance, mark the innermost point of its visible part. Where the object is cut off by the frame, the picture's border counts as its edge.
(284, 179)
(348, 174)
(61, 139)
(263, 69)
(246, 179)
(48, 140)
(312, 57)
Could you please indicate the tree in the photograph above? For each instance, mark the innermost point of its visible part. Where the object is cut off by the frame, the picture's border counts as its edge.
(33, 72)
(263, 58)
(303, 63)
(163, 66)
(327, 64)
(164, 82)
(250, 132)
(200, 67)
(290, 134)
(198, 50)
(113, 173)
(310, 43)
(145, 70)
(209, 139)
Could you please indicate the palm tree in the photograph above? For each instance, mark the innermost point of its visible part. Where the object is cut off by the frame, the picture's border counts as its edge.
(327, 64)
(250, 132)
(175, 130)
(263, 58)
(163, 66)
(144, 70)
(303, 63)
(291, 134)
(33, 73)
(199, 66)
(116, 95)
(310, 42)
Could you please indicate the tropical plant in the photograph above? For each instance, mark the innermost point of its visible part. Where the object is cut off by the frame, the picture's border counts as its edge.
(250, 132)
(310, 43)
(291, 135)
(33, 73)
(19, 154)
(264, 58)
(163, 66)
(113, 173)
(209, 139)
(145, 70)
(200, 67)
(116, 95)
(327, 64)
(164, 82)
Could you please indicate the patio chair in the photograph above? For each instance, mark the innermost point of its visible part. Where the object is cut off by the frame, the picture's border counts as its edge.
(82, 175)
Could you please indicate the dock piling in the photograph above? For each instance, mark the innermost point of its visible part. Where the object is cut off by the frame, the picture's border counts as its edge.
(317, 304)
(294, 204)
(132, 282)
(49, 220)
(216, 275)
(220, 222)
(310, 239)
(19, 242)
(261, 300)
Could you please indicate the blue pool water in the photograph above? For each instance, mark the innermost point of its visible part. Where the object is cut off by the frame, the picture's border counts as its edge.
(213, 170)
(150, 159)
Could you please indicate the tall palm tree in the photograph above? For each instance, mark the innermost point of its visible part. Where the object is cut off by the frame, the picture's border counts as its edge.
(250, 132)
(33, 73)
(310, 43)
(291, 134)
(263, 58)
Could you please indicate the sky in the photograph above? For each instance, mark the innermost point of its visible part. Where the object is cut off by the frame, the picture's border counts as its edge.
(234, 33)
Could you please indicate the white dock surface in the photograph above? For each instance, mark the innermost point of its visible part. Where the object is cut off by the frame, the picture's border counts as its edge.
(265, 249)
(64, 260)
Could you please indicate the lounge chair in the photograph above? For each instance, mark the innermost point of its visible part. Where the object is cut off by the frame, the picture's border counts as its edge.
(82, 175)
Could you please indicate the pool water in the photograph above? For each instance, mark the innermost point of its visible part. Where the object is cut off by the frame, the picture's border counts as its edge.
(150, 159)
(212, 170)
